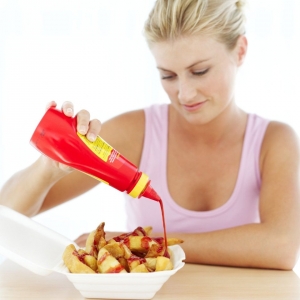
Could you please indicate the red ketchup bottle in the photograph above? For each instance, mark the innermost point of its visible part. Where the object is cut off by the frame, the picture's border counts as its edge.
(56, 137)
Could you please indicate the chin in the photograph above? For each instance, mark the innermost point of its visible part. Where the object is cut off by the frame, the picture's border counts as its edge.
(196, 118)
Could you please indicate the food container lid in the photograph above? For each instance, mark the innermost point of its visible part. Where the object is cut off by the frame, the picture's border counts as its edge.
(29, 243)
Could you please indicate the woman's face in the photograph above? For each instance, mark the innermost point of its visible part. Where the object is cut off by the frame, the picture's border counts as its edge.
(198, 74)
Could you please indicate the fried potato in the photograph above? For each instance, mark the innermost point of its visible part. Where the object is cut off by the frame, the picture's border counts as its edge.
(174, 241)
(155, 250)
(107, 263)
(139, 244)
(127, 252)
(115, 249)
(124, 263)
(163, 264)
(148, 230)
(135, 261)
(88, 259)
(96, 240)
(140, 269)
(75, 261)
(151, 263)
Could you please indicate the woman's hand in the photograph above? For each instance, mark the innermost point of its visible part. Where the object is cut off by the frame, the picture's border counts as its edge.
(85, 126)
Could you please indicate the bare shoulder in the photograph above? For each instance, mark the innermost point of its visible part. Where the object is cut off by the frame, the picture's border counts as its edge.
(281, 143)
(125, 133)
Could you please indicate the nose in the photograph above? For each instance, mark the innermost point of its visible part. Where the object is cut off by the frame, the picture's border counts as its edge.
(186, 91)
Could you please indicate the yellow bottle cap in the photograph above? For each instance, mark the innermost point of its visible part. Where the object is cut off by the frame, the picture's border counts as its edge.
(140, 186)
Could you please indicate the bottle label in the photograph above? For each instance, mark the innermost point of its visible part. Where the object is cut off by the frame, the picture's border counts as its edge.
(103, 150)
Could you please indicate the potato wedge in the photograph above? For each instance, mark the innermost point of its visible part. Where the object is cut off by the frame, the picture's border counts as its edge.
(96, 240)
(140, 269)
(107, 263)
(163, 264)
(75, 261)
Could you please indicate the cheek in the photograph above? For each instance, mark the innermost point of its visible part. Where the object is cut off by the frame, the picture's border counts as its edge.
(169, 88)
(228, 84)
(223, 84)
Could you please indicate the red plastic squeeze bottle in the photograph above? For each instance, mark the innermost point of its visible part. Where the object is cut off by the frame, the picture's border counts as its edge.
(56, 137)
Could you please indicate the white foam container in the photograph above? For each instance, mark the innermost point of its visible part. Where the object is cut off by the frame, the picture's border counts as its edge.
(40, 249)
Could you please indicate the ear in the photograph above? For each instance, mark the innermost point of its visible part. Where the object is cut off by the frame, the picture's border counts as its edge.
(241, 49)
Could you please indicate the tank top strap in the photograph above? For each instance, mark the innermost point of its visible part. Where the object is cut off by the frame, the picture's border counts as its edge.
(155, 140)
(255, 132)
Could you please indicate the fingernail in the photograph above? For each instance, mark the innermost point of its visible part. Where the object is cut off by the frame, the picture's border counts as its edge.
(69, 110)
(91, 137)
(82, 129)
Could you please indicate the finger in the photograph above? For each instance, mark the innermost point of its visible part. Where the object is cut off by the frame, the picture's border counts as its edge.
(51, 104)
(94, 129)
(68, 108)
(83, 120)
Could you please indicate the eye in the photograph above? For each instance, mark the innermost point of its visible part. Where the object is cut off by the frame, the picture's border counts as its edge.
(166, 77)
(200, 73)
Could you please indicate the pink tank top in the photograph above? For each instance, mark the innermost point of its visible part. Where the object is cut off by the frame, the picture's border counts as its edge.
(241, 208)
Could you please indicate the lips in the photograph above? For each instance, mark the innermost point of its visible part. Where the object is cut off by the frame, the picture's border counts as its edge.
(193, 107)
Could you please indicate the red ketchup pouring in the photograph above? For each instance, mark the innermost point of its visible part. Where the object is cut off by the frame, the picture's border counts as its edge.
(56, 137)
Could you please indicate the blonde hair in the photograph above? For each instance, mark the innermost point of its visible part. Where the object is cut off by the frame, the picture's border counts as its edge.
(223, 20)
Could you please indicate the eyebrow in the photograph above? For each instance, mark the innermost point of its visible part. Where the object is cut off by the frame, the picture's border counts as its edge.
(198, 62)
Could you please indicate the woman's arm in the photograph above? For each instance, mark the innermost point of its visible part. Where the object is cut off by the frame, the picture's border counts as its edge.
(274, 243)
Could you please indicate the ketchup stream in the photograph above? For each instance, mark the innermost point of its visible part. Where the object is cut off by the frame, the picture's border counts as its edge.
(150, 193)
(164, 225)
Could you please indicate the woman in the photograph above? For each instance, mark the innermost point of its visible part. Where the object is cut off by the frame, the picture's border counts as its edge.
(229, 180)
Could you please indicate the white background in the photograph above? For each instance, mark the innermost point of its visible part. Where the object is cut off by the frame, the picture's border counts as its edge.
(93, 53)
